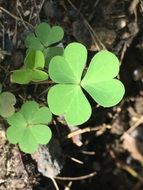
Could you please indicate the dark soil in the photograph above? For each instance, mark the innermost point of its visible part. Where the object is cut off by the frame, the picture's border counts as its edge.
(111, 141)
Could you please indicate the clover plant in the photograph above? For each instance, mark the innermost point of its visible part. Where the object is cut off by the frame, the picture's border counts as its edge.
(43, 38)
(67, 97)
(28, 127)
(71, 77)
(32, 70)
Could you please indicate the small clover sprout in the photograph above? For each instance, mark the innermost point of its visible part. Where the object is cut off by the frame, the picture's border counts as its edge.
(67, 98)
(32, 71)
(42, 39)
(7, 102)
(28, 127)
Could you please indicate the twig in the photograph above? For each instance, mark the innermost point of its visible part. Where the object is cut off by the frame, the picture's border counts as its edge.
(133, 127)
(17, 4)
(93, 12)
(68, 186)
(133, 6)
(42, 3)
(123, 51)
(38, 11)
(90, 29)
(130, 170)
(125, 167)
(94, 36)
(54, 182)
(76, 178)
(96, 3)
(79, 131)
(91, 153)
(30, 15)
(14, 16)
(75, 159)
(85, 130)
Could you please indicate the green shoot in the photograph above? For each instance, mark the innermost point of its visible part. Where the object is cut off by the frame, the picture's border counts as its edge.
(32, 71)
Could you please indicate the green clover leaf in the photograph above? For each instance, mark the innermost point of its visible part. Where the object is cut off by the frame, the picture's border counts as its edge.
(7, 102)
(99, 80)
(42, 39)
(32, 71)
(69, 100)
(67, 97)
(28, 127)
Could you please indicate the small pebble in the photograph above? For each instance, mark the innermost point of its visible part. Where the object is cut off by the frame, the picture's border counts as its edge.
(138, 74)
(26, 13)
(121, 23)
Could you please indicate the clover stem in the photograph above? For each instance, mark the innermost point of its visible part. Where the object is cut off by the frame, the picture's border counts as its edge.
(44, 82)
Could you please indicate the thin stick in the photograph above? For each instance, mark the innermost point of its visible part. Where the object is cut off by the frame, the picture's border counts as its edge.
(92, 153)
(38, 11)
(75, 159)
(78, 132)
(94, 35)
(14, 16)
(76, 178)
(42, 3)
(54, 182)
(133, 6)
(17, 3)
(85, 130)
(125, 166)
(130, 170)
(133, 127)
(92, 32)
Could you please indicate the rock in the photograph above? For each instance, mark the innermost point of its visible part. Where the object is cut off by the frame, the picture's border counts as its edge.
(49, 159)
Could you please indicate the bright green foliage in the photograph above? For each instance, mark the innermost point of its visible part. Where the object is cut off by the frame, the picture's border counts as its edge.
(7, 102)
(67, 97)
(32, 71)
(69, 100)
(43, 38)
(28, 127)
(99, 80)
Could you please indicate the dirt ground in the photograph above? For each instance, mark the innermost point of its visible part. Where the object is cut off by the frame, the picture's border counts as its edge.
(105, 153)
